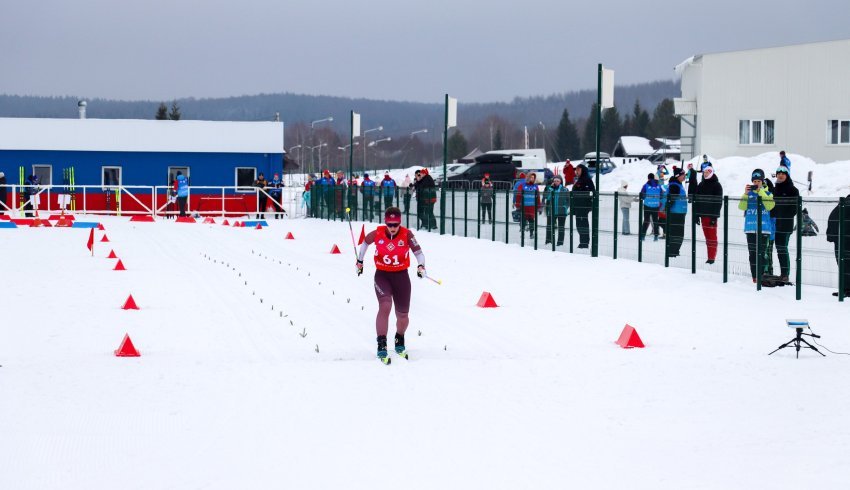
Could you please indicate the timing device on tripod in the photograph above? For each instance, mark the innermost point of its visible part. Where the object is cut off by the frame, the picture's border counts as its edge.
(798, 341)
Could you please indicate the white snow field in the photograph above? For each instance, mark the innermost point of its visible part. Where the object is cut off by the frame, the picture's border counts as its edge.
(534, 394)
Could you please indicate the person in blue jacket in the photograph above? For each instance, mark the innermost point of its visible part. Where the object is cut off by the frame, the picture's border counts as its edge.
(367, 187)
(651, 194)
(388, 187)
(784, 161)
(182, 184)
(277, 195)
(325, 197)
(678, 209)
(750, 206)
(557, 204)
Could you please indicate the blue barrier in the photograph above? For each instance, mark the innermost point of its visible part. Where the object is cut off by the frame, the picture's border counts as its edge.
(253, 224)
(84, 224)
(7, 224)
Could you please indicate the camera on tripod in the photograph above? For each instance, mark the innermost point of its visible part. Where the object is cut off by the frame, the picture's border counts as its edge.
(798, 341)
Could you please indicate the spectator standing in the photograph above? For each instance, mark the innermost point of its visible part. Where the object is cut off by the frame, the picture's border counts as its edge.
(340, 187)
(651, 193)
(262, 198)
(276, 194)
(784, 161)
(409, 189)
(368, 190)
(557, 208)
(353, 189)
(678, 209)
(306, 198)
(583, 191)
(569, 173)
(486, 200)
(3, 193)
(785, 195)
(626, 200)
(749, 204)
(182, 193)
(832, 232)
(527, 200)
(429, 192)
(388, 189)
(708, 201)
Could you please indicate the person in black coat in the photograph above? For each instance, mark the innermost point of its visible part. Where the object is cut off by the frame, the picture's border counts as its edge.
(3, 193)
(708, 202)
(583, 191)
(428, 190)
(832, 231)
(785, 195)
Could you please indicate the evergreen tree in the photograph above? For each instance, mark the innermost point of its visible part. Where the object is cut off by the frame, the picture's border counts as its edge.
(664, 121)
(567, 144)
(458, 147)
(174, 115)
(162, 112)
(640, 121)
(497, 140)
(588, 141)
(628, 126)
(612, 129)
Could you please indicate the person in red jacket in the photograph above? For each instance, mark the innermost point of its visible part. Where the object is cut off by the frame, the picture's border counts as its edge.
(569, 174)
(393, 245)
(527, 200)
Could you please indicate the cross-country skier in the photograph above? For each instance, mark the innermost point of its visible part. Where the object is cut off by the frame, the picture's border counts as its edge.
(393, 245)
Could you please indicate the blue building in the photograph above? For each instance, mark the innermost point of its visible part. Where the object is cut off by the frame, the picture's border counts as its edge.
(132, 152)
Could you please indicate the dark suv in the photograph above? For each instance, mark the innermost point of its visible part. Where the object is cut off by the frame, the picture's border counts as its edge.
(501, 168)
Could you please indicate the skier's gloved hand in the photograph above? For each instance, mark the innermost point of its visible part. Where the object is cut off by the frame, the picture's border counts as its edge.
(420, 271)
(359, 267)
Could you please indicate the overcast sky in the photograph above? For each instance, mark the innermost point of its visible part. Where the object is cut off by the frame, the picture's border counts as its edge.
(477, 50)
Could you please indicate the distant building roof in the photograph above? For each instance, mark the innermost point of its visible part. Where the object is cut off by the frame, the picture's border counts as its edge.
(140, 135)
(633, 146)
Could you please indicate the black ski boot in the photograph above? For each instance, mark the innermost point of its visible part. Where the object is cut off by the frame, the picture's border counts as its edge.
(399, 346)
(382, 349)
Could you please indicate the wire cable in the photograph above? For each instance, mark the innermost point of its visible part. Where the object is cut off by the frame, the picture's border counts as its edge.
(814, 339)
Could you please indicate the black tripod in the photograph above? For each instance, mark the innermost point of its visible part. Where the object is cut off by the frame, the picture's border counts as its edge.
(796, 341)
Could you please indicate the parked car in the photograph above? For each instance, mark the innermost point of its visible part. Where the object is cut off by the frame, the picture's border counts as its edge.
(501, 168)
(605, 163)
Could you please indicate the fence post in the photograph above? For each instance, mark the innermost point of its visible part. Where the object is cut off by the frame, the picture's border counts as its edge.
(667, 231)
(536, 220)
(571, 221)
(641, 234)
(799, 279)
(616, 206)
(552, 220)
(694, 236)
(758, 243)
(725, 239)
(222, 201)
(507, 213)
(521, 221)
(492, 215)
(465, 212)
(454, 191)
(594, 236)
(841, 246)
(478, 205)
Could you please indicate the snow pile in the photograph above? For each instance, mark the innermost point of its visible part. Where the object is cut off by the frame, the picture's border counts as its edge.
(258, 369)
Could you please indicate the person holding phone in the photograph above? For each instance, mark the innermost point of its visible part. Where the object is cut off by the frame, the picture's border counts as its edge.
(751, 207)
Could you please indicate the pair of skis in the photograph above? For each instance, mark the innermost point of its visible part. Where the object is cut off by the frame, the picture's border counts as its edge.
(386, 361)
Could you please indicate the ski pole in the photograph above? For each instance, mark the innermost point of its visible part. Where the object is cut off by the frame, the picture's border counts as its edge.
(353, 245)
(438, 281)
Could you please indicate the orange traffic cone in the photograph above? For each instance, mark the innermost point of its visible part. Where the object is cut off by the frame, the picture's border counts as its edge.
(119, 266)
(486, 301)
(130, 304)
(629, 338)
(127, 349)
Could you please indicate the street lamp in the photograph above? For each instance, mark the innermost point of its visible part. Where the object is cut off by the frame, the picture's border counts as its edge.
(343, 148)
(312, 126)
(414, 133)
(379, 128)
(312, 148)
(372, 143)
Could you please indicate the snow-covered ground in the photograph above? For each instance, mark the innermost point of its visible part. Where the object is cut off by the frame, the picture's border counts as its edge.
(228, 394)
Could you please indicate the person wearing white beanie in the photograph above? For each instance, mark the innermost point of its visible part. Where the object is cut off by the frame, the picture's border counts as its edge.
(626, 199)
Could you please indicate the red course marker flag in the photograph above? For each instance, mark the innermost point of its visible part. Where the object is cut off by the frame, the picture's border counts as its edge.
(90, 243)
(362, 235)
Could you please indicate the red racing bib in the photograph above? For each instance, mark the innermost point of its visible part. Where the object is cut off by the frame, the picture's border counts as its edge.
(391, 255)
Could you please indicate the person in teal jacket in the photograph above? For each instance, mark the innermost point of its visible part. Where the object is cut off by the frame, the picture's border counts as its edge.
(557, 204)
(750, 206)
(677, 209)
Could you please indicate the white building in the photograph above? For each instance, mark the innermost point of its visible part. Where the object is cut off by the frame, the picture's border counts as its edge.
(793, 98)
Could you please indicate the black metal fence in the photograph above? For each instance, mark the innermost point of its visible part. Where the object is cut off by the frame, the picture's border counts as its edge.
(805, 249)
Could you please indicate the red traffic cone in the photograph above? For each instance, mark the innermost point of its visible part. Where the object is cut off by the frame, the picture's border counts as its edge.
(209, 221)
(236, 224)
(289, 236)
(259, 226)
(130, 304)
(486, 301)
(100, 227)
(104, 239)
(226, 223)
(242, 224)
(629, 338)
(335, 250)
(112, 255)
(36, 223)
(127, 349)
(63, 223)
(119, 266)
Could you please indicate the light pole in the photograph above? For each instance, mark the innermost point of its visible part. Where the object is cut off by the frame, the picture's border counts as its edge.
(379, 128)
(414, 133)
(312, 148)
(343, 148)
(373, 143)
(544, 135)
(312, 127)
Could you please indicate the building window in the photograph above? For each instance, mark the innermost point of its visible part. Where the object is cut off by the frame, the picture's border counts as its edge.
(838, 132)
(756, 132)
(172, 174)
(110, 176)
(44, 174)
(245, 177)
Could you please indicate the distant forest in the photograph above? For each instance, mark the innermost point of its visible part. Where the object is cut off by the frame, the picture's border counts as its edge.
(480, 125)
